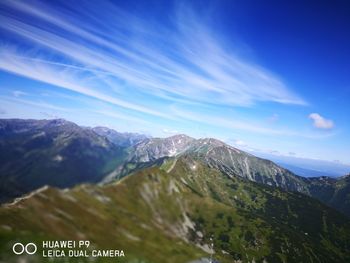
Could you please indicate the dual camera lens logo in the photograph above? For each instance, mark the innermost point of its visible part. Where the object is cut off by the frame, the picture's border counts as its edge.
(19, 248)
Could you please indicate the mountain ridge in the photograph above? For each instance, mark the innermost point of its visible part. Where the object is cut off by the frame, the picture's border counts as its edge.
(54, 140)
(218, 154)
(124, 139)
(34, 153)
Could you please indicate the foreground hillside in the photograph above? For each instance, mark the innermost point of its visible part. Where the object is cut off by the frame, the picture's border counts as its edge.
(168, 214)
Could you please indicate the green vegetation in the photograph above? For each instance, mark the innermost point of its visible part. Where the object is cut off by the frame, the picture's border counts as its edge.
(168, 214)
(333, 192)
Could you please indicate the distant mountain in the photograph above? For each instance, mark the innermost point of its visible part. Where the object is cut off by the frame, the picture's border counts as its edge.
(148, 153)
(155, 148)
(169, 213)
(34, 153)
(120, 139)
(234, 162)
(217, 154)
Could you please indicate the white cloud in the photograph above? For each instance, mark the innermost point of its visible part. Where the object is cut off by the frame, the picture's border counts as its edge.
(321, 122)
(189, 63)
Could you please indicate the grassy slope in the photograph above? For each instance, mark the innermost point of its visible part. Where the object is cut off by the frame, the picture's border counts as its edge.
(264, 222)
(157, 216)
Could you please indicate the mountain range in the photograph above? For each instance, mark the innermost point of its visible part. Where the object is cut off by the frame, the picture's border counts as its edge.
(126, 139)
(51, 152)
(173, 194)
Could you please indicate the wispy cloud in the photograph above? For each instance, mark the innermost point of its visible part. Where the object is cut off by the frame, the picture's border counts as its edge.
(18, 93)
(66, 78)
(187, 64)
(40, 104)
(321, 122)
(245, 125)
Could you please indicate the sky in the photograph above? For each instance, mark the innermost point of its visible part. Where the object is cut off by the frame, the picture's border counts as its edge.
(264, 76)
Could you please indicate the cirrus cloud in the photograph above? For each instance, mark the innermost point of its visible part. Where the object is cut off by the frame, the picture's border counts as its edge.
(183, 62)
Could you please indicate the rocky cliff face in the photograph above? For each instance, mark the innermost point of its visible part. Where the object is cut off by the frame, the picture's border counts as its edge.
(155, 148)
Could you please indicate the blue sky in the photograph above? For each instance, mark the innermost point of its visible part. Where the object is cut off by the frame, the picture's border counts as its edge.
(268, 76)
